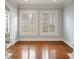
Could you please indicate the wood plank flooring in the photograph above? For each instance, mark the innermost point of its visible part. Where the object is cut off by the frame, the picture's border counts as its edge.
(40, 50)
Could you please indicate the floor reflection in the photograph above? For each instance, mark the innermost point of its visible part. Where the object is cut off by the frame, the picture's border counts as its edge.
(39, 51)
(32, 53)
(46, 53)
(25, 54)
(28, 53)
(53, 54)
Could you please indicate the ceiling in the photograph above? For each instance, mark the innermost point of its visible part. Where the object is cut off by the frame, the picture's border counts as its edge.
(41, 1)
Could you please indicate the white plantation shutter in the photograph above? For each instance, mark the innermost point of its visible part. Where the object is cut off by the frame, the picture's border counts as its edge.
(28, 23)
(48, 23)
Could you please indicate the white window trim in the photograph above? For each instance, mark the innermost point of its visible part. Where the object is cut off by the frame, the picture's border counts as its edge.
(56, 23)
(28, 33)
(40, 24)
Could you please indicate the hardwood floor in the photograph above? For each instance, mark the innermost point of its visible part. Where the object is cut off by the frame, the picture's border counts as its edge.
(40, 50)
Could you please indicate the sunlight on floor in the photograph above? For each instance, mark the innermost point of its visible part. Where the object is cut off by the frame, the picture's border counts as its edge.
(46, 53)
(25, 54)
(32, 53)
(28, 53)
(53, 54)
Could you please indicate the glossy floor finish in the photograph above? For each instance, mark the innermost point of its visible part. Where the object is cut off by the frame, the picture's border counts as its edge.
(40, 50)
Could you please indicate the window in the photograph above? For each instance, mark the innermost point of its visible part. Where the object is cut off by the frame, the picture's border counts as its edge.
(8, 24)
(29, 53)
(7, 16)
(48, 22)
(28, 23)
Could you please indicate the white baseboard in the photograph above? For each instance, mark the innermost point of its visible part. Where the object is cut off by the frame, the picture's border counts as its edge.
(14, 42)
(39, 39)
(43, 39)
(9, 45)
(70, 44)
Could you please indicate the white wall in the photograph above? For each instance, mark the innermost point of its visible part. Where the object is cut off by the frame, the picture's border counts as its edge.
(68, 23)
(42, 38)
(13, 8)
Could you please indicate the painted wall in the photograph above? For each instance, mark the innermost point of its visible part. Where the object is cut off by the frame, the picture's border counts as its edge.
(68, 23)
(13, 9)
(38, 37)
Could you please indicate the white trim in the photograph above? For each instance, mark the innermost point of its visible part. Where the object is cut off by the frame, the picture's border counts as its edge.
(14, 43)
(20, 22)
(39, 39)
(42, 39)
(68, 43)
(55, 22)
(9, 45)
